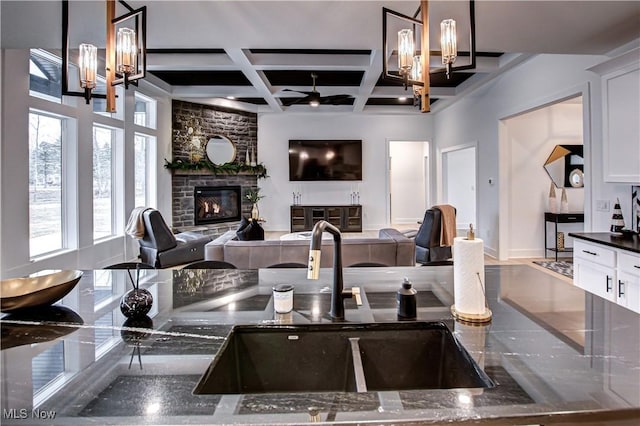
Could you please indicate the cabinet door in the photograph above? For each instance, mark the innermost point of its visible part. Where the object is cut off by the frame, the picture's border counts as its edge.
(628, 291)
(629, 280)
(353, 218)
(298, 223)
(595, 279)
(334, 216)
(621, 127)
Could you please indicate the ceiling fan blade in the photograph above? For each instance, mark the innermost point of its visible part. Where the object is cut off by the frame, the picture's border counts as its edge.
(294, 101)
(335, 99)
(297, 91)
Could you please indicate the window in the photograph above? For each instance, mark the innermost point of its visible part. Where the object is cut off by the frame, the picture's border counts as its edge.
(47, 366)
(100, 104)
(104, 334)
(144, 170)
(103, 181)
(45, 75)
(45, 184)
(145, 111)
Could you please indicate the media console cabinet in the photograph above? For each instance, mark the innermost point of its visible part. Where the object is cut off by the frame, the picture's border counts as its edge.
(347, 218)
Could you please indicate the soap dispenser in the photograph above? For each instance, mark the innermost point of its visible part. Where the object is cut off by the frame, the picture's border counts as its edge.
(407, 301)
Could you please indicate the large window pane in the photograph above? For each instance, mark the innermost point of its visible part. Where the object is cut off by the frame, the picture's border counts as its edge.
(144, 169)
(45, 184)
(47, 366)
(103, 193)
(100, 104)
(45, 75)
(145, 111)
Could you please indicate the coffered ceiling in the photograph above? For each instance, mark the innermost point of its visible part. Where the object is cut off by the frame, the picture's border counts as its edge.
(264, 52)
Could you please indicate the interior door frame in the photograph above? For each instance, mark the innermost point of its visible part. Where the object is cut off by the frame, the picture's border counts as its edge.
(440, 171)
(504, 158)
(426, 177)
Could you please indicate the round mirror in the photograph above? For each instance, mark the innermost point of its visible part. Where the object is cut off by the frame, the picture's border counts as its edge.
(576, 178)
(220, 150)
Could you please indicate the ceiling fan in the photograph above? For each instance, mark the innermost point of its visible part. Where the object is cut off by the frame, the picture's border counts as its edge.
(314, 99)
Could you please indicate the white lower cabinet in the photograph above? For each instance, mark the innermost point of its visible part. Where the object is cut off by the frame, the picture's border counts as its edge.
(611, 273)
(594, 278)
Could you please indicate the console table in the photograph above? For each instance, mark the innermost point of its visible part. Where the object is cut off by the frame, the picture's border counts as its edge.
(347, 218)
(557, 218)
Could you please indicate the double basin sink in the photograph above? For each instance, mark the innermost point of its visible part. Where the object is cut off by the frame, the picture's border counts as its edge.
(341, 357)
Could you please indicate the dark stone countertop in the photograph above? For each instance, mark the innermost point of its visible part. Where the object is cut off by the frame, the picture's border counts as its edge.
(624, 242)
(555, 353)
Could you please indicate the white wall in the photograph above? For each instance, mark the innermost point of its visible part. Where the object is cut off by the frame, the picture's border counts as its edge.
(539, 81)
(274, 132)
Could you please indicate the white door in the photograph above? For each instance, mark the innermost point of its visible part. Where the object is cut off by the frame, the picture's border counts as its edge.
(408, 181)
(459, 183)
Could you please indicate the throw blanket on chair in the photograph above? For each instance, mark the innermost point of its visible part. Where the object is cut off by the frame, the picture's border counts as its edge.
(448, 226)
(135, 225)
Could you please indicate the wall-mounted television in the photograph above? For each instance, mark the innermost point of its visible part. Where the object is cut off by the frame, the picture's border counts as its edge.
(311, 160)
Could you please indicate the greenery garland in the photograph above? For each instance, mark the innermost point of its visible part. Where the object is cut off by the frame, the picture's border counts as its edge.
(217, 169)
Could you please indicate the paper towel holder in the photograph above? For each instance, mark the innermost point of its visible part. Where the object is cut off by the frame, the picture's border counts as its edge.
(481, 318)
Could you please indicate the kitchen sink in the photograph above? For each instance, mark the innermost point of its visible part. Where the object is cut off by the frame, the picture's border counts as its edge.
(340, 358)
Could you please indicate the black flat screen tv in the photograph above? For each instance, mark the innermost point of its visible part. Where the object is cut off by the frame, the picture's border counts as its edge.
(312, 160)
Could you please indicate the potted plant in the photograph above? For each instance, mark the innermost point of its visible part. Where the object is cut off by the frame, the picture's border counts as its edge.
(254, 196)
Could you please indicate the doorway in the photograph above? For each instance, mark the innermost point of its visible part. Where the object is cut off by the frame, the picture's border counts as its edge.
(408, 181)
(527, 140)
(459, 180)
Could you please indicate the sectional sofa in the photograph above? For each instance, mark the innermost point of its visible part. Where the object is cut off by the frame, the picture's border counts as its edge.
(391, 248)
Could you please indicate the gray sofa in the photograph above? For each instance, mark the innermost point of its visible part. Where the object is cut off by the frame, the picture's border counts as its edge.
(391, 248)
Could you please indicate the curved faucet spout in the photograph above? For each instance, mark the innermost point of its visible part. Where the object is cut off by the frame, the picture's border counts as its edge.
(337, 293)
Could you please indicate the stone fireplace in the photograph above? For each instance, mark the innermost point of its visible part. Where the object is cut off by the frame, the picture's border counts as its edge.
(216, 204)
(198, 123)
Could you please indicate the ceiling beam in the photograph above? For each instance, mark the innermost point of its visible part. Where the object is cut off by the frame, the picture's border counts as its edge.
(240, 58)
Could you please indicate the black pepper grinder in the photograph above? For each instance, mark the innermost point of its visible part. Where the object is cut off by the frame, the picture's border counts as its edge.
(407, 301)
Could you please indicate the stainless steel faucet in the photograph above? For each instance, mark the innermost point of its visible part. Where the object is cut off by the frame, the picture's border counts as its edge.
(337, 294)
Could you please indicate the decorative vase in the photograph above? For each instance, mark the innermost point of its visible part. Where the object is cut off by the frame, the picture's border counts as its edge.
(560, 240)
(136, 336)
(553, 204)
(136, 303)
(253, 157)
(564, 203)
(255, 214)
(617, 221)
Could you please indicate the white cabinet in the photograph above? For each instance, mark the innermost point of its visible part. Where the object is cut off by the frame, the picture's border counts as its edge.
(594, 269)
(611, 273)
(620, 78)
(628, 282)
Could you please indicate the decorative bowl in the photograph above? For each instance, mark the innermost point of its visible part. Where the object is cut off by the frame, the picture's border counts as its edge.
(41, 289)
(38, 325)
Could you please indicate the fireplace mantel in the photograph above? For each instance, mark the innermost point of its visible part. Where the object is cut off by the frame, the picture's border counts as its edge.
(205, 168)
(201, 172)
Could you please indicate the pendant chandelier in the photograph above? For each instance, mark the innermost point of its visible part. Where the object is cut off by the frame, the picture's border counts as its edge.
(409, 59)
(125, 53)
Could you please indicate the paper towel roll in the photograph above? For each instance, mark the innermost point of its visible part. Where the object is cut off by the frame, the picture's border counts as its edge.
(468, 276)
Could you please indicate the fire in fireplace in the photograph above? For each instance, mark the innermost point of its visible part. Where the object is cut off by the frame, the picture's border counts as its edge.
(216, 204)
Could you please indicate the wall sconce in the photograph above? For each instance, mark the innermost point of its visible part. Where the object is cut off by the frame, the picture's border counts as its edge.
(413, 51)
(125, 57)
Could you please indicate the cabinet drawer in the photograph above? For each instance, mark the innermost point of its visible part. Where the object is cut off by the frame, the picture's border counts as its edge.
(595, 253)
(595, 279)
(628, 263)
